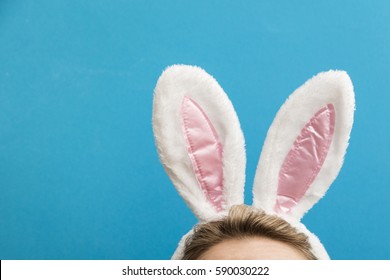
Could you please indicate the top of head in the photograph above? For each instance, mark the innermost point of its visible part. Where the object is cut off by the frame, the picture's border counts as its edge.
(201, 145)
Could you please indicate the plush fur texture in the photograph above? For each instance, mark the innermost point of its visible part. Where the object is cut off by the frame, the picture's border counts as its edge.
(328, 87)
(180, 80)
(176, 82)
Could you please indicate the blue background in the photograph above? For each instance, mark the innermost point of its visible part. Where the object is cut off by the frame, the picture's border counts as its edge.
(79, 174)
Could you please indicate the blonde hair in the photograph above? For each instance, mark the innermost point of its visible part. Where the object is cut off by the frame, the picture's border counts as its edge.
(242, 222)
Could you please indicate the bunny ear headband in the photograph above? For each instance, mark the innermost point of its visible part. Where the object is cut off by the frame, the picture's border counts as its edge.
(201, 146)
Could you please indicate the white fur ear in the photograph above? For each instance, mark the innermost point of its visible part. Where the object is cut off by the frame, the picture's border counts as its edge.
(318, 115)
(199, 140)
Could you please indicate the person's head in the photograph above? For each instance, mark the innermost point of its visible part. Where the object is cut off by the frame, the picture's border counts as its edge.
(247, 233)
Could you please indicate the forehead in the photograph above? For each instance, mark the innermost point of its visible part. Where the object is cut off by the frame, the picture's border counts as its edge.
(253, 248)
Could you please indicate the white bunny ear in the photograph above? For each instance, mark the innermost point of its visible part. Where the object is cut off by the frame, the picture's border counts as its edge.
(305, 145)
(199, 140)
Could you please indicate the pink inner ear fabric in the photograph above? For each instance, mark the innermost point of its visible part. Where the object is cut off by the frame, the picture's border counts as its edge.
(305, 159)
(205, 150)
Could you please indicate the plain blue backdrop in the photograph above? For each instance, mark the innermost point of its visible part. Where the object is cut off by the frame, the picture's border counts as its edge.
(79, 174)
